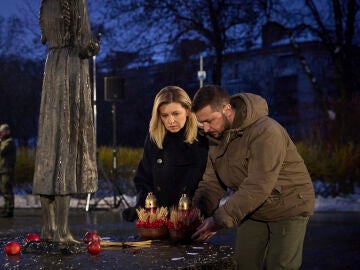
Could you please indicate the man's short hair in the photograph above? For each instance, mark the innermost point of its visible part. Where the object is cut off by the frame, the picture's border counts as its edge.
(212, 95)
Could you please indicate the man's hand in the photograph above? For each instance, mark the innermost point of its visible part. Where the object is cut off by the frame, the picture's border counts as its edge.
(206, 230)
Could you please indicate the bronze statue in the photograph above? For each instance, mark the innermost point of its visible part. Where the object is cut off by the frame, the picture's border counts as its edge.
(66, 149)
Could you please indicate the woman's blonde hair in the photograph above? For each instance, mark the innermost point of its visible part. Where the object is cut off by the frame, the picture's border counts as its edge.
(168, 95)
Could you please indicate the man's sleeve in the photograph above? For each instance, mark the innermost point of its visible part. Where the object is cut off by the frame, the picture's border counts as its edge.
(209, 192)
(267, 153)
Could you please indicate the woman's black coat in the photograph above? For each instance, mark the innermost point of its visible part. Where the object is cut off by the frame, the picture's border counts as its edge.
(169, 172)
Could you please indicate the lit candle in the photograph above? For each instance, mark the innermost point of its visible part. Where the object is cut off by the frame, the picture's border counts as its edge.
(184, 205)
(150, 202)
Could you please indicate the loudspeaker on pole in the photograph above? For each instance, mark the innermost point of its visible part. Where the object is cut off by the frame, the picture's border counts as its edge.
(114, 88)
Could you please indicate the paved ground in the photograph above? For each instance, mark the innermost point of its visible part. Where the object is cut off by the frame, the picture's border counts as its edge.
(332, 242)
(108, 224)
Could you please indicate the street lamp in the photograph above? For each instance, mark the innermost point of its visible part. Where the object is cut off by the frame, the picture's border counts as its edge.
(201, 73)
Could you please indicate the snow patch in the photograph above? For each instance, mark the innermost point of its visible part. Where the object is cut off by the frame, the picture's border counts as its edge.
(350, 203)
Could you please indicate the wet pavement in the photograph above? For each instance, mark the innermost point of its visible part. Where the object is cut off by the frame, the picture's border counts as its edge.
(332, 242)
(109, 225)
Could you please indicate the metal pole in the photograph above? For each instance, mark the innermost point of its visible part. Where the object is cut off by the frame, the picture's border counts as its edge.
(114, 151)
(201, 69)
(113, 111)
(95, 121)
(94, 95)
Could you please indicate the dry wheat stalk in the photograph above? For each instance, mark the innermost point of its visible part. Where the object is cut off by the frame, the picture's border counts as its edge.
(160, 214)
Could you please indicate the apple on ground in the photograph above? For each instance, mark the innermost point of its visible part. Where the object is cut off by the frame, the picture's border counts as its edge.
(32, 237)
(12, 248)
(91, 237)
(94, 248)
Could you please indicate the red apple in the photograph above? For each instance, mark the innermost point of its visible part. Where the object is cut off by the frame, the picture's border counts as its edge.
(91, 237)
(94, 248)
(32, 237)
(12, 248)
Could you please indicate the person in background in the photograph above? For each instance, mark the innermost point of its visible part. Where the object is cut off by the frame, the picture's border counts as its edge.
(7, 166)
(253, 155)
(175, 154)
(65, 161)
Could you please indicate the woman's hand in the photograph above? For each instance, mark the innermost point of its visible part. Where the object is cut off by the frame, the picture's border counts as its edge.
(129, 214)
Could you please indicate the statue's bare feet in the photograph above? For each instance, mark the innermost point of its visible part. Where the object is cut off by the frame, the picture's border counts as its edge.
(47, 235)
(66, 239)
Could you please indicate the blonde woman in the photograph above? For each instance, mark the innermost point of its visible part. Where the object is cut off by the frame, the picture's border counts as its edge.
(175, 154)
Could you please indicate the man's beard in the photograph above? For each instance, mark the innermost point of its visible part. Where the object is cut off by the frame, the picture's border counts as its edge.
(227, 126)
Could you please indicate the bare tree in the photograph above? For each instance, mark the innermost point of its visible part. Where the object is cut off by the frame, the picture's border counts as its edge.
(333, 23)
(20, 33)
(156, 27)
(21, 71)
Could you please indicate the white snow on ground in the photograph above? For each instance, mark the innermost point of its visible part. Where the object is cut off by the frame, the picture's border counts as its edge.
(350, 203)
(33, 201)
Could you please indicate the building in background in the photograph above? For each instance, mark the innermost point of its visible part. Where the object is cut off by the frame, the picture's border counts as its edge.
(272, 70)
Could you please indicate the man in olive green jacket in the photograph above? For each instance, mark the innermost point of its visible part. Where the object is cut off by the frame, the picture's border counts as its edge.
(273, 195)
(7, 165)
